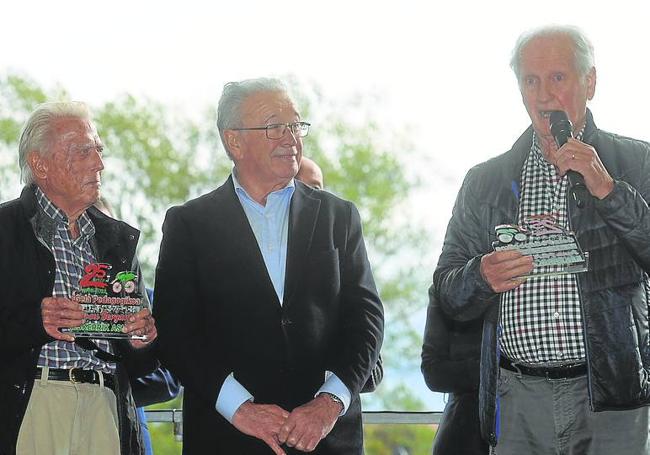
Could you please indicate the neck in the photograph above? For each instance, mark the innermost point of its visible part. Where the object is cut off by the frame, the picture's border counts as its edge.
(71, 211)
(259, 191)
(547, 145)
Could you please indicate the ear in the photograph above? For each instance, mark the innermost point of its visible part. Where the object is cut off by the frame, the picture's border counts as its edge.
(38, 165)
(590, 80)
(233, 144)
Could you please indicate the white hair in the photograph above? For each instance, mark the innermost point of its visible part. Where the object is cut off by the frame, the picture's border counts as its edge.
(583, 50)
(233, 96)
(35, 136)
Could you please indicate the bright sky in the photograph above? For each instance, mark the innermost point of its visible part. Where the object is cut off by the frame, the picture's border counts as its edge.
(439, 69)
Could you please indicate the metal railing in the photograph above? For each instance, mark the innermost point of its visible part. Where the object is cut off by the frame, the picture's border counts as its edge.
(175, 416)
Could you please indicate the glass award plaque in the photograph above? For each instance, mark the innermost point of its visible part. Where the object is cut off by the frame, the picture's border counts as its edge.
(108, 299)
(555, 250)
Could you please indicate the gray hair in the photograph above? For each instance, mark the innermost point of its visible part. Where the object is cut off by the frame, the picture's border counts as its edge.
(233, 96)
(35, 136)
(583, 50)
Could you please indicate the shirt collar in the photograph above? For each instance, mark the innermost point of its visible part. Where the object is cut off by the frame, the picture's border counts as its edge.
(239, 189)
(58, 216)
(536, 150)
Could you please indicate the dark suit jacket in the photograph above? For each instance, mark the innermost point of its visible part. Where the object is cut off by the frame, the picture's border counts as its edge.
(217, 313)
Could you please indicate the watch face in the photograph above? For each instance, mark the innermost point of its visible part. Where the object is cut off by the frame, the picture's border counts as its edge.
(333, 397)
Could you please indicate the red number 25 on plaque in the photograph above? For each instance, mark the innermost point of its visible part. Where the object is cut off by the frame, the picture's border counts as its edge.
(95, 276)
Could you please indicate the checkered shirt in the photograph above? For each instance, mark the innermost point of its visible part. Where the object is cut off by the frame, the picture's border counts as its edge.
(70, 258)
(542, 319)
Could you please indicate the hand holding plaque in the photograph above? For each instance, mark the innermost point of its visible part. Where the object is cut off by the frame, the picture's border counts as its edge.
(555, 250)
(110, 303)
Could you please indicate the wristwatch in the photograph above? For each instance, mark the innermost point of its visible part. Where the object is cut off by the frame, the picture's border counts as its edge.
(334, 398)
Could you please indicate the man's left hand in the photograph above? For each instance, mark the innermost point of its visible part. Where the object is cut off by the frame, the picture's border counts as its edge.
(309, 423)
(141, 323)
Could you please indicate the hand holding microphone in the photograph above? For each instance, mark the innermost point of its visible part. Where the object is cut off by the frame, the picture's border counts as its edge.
(562, 130)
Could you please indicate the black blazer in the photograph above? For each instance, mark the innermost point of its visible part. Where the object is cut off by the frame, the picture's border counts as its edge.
(217, 313)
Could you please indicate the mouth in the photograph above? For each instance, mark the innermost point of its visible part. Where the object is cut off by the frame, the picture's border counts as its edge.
(286, 157)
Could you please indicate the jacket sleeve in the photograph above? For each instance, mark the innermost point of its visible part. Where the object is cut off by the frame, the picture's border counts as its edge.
(442, 372)
(142, 361)
(21, 327)
(626, 212)
(23, 283)
(363, 314)
(458, 285)
(156, 387)
(179, 312)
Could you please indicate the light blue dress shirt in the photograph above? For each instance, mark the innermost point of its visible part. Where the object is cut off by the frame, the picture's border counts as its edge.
(270, 224)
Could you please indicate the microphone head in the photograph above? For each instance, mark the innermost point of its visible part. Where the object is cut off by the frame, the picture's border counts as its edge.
(561, 127)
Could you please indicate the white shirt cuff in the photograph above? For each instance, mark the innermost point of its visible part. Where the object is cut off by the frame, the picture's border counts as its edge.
(231, 396)
(336, 387)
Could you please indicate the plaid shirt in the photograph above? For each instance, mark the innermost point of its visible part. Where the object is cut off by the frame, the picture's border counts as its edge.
(70, 258)
(542, 319)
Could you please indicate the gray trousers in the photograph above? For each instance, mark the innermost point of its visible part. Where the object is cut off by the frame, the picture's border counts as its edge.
(552, 417)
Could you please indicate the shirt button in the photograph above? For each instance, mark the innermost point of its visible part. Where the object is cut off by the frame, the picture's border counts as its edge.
(556, 315)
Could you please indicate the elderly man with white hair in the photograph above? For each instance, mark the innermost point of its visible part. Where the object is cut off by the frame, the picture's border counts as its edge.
(565, 362)
(62, 394)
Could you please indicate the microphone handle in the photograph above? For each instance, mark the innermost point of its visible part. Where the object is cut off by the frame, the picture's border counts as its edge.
(577, 187)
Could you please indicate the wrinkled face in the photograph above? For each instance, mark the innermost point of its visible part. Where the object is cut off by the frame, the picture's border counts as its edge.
(550, 81)
(270, 162)
(70, 174)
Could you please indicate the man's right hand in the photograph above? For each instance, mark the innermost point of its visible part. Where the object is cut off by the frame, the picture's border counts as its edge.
(60, 312)
(502, 270)
(262, 421)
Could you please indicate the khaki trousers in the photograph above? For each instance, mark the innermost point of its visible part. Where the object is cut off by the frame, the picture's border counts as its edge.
(65, 418)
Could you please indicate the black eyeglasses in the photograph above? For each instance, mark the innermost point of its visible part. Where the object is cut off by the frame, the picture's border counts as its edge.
(278, 130)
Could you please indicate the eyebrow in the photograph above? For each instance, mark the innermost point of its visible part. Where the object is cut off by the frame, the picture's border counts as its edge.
(268, 119)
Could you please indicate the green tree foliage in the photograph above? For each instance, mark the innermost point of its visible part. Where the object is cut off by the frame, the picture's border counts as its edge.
(397, 439)
(156, 158)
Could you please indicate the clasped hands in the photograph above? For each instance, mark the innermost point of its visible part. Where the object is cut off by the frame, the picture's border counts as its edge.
(303, 428)
(60, 312)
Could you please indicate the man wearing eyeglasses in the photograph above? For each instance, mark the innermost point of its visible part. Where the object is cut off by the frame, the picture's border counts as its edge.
(265, 302)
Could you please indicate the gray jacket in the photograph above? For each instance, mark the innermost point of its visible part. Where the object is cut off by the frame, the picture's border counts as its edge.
(616, 233)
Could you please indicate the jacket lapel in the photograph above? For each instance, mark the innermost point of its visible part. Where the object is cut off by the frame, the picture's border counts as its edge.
(302, 221)
(236, 236)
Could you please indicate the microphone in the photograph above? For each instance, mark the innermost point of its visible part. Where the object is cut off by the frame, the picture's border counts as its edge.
(562, 130)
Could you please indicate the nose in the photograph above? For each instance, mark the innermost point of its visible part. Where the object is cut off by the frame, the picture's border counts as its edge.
(99, 162)
(289, 137)
(544, 92)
